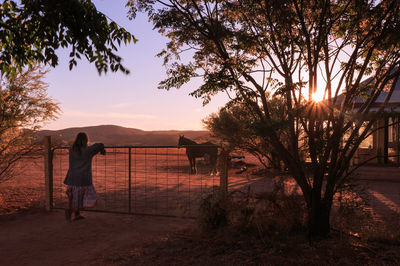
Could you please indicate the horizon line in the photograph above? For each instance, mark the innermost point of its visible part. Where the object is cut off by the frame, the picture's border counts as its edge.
(73, 127)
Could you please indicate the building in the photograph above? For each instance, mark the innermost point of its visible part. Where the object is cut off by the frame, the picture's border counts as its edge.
(383, 146)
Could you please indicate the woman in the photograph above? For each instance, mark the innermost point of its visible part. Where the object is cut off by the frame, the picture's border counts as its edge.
(80, 191)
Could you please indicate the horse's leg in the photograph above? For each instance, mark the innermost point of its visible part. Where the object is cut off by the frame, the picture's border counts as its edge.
(190, 164)
(194, 165)
(213, 164)
(214, 161)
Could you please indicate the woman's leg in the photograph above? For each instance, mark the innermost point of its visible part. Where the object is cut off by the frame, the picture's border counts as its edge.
(68, 211)
(81, 194)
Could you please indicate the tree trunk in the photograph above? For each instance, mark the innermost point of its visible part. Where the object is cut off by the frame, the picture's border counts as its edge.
(319, 219)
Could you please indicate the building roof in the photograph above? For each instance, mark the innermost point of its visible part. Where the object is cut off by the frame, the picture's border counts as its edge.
(393, 105)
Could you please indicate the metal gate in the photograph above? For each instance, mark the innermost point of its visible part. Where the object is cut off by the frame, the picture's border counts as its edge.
(146, 180)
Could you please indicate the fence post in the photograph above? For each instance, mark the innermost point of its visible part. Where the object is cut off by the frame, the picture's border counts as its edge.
(48, 172)
(223, 181)
(130, 180)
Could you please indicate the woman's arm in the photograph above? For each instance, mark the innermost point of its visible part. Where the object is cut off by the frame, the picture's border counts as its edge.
(96, 148)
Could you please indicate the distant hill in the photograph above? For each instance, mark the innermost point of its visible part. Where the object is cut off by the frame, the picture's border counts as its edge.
(117, 135)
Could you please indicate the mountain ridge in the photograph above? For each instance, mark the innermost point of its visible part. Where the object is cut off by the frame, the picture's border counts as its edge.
(118, 135)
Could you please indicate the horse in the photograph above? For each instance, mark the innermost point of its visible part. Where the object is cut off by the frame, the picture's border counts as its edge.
(207, 150)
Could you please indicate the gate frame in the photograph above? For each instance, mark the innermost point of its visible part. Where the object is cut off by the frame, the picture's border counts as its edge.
(48, 172)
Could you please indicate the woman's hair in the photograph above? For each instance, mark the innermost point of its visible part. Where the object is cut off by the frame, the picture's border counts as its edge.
(80, 142)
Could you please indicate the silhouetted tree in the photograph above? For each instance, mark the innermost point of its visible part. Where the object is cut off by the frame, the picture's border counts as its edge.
(251, 49)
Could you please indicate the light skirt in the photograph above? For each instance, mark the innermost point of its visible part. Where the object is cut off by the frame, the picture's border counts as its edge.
(81, 197)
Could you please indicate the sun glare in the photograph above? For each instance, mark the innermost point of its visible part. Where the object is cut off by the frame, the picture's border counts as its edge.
(318, 96)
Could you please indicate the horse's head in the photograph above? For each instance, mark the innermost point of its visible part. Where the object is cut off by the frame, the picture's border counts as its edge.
(185, 141)
(181, 140)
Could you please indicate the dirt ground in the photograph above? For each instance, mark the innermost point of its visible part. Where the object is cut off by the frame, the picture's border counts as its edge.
(30, 236)
(48, 239)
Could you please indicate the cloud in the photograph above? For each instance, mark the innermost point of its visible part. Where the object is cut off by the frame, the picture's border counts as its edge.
(114, 115)
(121, 105)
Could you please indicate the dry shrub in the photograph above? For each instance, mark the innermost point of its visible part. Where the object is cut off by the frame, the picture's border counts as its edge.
(271, 213)
(352, 215)
(351, 212)
(384, 232)
(280, 212)
(213, 211)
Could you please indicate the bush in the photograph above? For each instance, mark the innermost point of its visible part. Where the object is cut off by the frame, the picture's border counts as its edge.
(280, 212)
(213, 213)
(385, 233)
(351, 213)
(269, 213)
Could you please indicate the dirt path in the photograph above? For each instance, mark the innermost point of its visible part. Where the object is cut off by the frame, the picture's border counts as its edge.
(47, 239)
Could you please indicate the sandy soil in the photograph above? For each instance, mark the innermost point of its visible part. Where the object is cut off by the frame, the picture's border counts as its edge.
(48, 239)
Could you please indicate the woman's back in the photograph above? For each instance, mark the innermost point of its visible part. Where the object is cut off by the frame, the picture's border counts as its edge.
(80, 165)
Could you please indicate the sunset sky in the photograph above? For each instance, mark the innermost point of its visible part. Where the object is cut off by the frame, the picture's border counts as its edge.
(133, 100)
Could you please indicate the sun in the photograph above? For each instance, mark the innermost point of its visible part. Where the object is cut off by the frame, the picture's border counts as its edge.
(318, 96)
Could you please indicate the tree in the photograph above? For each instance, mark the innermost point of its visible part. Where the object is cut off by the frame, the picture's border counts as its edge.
(236, 126)
(24, 106)
(32, 30)
(293, 48)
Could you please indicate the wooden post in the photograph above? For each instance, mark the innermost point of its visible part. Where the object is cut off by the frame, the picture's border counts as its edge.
(48, 172)
(398, 140)
(386, 141)
(223, 181)
(380, 140)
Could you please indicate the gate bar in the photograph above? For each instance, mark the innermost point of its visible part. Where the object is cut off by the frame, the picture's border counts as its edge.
(48, 172)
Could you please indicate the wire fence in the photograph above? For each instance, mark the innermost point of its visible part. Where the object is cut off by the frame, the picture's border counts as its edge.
(141, 180)
(156, 181)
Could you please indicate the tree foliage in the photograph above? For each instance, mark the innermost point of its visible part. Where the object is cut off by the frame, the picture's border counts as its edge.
(238, 127)
(252, 49)
(31, 31)
(24, 107)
